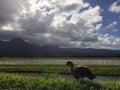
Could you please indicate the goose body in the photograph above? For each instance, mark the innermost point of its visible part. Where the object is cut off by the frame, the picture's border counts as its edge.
(80, 71)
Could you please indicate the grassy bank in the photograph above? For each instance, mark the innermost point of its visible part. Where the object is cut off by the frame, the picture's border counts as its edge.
(61, 69)
(51, 82)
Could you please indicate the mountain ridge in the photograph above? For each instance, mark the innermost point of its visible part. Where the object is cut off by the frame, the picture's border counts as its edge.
(20, 48)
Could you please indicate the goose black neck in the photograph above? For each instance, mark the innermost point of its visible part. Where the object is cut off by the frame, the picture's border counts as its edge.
(71, 67)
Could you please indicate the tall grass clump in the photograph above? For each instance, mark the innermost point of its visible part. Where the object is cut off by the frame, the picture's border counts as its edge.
(51, 82)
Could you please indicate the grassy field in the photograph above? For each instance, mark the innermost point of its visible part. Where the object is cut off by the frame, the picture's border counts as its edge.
(51, 82)
(60, 69)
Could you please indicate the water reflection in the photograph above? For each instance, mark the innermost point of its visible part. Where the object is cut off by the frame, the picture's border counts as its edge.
(107, 78)
(70, 77)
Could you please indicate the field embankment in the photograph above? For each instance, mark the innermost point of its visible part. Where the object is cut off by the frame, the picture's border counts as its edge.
(60, 61)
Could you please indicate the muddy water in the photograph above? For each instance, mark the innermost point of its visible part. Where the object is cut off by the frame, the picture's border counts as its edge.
(70, 77)
(60, 61)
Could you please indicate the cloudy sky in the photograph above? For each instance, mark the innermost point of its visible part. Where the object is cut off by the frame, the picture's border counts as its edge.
(66, 23)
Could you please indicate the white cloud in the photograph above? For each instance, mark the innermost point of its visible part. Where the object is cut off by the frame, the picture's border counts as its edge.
(108, 41)
(111, 26)
(7, 27)
(92, 15)
(45, 22)
(115, 7)
(98, 26)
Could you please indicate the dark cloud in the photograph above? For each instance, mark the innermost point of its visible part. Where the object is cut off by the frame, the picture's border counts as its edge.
(33, 25)
(8, 8)
(90, 39)
(8, 35)
(70, 7)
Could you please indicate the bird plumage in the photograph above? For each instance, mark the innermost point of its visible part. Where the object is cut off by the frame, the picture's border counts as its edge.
(80, 72)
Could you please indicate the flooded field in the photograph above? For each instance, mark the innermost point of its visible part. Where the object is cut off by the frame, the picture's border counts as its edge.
(63, 62)
(60, 62)
(69, 77)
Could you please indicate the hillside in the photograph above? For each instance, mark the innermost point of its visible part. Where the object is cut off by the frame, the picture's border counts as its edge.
(20, 48)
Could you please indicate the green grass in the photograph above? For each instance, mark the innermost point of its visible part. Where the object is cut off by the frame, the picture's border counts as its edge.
(51, 82)
(60, 69)
(113, 70)
(35, 68)
(60, 58)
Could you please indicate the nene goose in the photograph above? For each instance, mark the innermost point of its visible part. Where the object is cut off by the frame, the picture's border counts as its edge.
(80, 72)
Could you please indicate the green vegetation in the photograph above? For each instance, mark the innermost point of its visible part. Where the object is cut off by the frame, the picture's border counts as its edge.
(60, 58)
(60, 69)
(51, 82)
(34, 68)
(113, 70)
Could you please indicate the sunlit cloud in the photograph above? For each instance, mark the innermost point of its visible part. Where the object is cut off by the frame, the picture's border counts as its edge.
(115, 7)
(66, 23)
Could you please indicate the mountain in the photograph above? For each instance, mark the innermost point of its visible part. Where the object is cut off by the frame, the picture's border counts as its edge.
(17, 47)
(20, 48)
